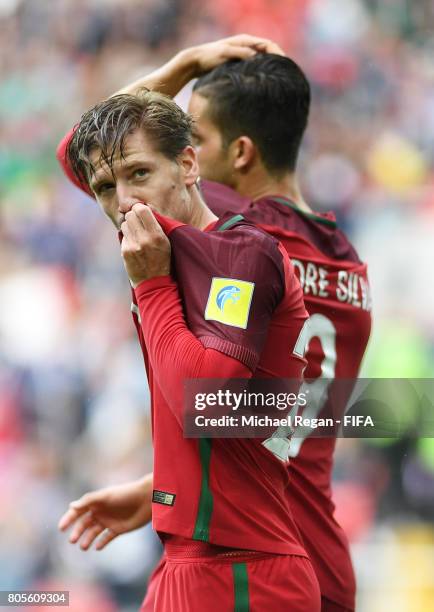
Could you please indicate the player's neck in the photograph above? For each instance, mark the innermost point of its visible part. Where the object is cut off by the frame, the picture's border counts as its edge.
(201, 215)
(260, 185)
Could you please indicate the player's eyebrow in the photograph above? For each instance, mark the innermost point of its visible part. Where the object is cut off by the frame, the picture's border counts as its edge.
(136, 164)
(95, 183)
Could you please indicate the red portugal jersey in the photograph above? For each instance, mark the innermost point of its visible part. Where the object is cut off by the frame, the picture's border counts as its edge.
(230, 492)
(337, 297)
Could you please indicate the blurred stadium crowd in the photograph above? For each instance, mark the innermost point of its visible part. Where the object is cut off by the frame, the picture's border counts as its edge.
(73, 401)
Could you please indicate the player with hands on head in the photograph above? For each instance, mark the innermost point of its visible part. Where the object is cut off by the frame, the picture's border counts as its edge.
(170, 78)
(193, 62)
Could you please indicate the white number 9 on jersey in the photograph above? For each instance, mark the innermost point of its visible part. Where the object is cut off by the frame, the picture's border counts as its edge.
(317, 326)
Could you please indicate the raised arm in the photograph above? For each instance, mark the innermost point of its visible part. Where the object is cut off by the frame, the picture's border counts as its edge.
(181, 343)
(177, 72)
(175, 352)
(195, 61)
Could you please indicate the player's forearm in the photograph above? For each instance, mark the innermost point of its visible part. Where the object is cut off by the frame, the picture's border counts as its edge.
(174, 351)
(146, 487)
(146, 483)
(170, 78)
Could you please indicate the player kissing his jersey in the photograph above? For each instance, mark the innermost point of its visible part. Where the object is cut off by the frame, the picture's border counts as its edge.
(219, 505)
(250, 115)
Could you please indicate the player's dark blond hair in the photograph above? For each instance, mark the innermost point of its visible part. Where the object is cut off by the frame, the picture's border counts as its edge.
(105, 127)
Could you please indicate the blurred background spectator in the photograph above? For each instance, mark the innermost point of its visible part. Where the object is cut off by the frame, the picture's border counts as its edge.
(74, 410)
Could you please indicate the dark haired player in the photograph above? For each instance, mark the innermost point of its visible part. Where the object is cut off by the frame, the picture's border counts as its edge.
(250, 117)
(219, 505)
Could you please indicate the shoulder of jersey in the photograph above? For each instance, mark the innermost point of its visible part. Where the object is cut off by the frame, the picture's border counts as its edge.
(319, 231)
(246, 230)
(283, 220)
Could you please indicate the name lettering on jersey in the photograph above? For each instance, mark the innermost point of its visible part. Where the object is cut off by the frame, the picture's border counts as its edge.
(353, 289)
(229, 301)
(342, 285)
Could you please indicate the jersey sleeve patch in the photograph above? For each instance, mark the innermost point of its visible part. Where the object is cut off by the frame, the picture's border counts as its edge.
(229, 301)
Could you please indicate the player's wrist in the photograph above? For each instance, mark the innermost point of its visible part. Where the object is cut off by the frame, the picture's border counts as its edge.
(152, 284)
(187, 62)
(146, 483)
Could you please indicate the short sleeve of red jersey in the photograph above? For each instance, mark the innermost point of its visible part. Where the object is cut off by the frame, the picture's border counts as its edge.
(230, 283)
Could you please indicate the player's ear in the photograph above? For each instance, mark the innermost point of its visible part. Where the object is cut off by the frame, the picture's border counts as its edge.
(243, 153)
(189, 165)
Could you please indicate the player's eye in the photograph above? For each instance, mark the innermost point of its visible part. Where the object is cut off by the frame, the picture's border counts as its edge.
(104, 188)
(140, 173)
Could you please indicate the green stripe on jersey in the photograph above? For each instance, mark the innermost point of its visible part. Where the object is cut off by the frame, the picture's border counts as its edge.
(230, 222)
(241, 587)
(203, 519)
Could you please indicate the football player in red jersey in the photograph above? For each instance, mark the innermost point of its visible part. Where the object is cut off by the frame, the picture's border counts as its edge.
(250, 117)
(229, 536)
(247, 149)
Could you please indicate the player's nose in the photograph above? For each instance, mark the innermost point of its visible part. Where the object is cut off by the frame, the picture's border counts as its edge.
(126, 198)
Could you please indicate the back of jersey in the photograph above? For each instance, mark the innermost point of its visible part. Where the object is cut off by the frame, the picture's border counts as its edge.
(337, 297)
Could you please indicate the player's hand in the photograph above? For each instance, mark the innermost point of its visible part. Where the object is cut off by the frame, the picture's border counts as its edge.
(195, 61)
(107, 513)
(145, 247)
(242, 46)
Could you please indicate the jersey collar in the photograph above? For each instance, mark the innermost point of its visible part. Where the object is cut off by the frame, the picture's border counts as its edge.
(327, 218)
